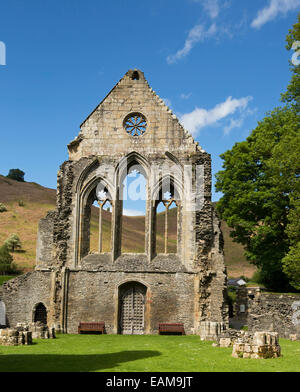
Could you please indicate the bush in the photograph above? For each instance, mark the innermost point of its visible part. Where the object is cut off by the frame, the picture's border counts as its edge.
(7, 269)
(6, 261)
(21, 203)
(13, 243)
(231, 295)
(291, 265)
(245, 278)
(2, 207)
(257, 277)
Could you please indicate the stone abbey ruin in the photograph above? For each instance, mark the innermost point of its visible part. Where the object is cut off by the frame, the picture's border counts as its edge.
(131, 292)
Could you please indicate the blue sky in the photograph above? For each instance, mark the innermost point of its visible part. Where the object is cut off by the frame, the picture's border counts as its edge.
(220, 65)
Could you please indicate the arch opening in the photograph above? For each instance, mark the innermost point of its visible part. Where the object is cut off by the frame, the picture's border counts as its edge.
(97, 221)
(166, 218)
(134, 195)
(135, 75)
(40, 313)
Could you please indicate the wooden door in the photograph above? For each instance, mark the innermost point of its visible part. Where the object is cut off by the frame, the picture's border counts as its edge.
(133, 311)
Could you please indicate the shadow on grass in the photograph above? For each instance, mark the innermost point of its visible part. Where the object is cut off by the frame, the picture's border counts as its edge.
(70, 363)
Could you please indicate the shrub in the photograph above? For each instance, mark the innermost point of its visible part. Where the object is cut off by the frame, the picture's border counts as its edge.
(6, 261)
(13, 243)
(257, 277)
(2, 207)
(291, 265)
(245, 278)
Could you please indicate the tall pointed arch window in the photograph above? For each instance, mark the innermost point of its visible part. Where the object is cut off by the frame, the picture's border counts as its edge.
(167, 215)
(104, 221)
(96, 221)
(134, 209)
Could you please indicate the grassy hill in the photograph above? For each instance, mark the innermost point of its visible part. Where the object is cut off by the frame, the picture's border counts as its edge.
(28, 202)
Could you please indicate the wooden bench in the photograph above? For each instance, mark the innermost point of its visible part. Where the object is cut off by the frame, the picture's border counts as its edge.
(91, 327)
(171, 328)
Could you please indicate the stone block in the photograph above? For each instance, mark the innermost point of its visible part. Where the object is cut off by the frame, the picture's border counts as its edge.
(260, 345)
(225, 342)
(259, 338)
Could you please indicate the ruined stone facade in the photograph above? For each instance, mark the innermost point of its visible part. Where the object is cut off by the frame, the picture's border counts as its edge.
(264, 311)
(131, 126)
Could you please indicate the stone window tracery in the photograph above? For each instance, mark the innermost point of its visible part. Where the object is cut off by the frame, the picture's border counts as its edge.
(135, 124)
(103, 199)
(166, 212)
(96, 220)
(168, 201)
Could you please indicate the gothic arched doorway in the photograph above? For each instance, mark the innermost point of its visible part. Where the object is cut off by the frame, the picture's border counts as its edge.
(40, 314)
(132, 301)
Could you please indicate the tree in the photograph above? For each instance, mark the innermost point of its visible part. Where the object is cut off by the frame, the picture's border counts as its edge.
(13, 243)
(260, 183)
(261, 186)
(6, 260)
(16, 174)
(291, 265)
(291, 262)
(292, 95)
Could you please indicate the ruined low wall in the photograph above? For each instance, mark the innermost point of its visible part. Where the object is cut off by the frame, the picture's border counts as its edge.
(12, 337)
(21, 294)
(274, 312)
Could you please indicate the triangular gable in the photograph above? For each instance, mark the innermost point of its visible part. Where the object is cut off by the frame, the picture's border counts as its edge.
(137, 73)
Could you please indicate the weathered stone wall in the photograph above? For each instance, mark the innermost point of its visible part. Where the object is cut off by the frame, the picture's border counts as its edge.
(275, 312)
(244, 298)
(21, 294)
(94, 297)
(45, 254)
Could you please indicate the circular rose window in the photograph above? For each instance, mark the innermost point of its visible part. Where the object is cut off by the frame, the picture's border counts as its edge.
(135, 124)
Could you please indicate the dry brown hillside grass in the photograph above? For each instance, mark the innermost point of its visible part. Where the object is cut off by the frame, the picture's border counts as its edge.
(37, 200)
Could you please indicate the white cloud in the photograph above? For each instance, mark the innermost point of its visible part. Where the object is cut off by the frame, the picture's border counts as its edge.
(200, 118)
(238, 122)
(185, 96)
(133, 212)
(272, 10)
(234, 123)
(196, 34)
(211, 7)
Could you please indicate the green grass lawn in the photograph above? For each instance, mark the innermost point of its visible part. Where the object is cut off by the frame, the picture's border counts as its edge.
(5, 278)
(117, 353)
